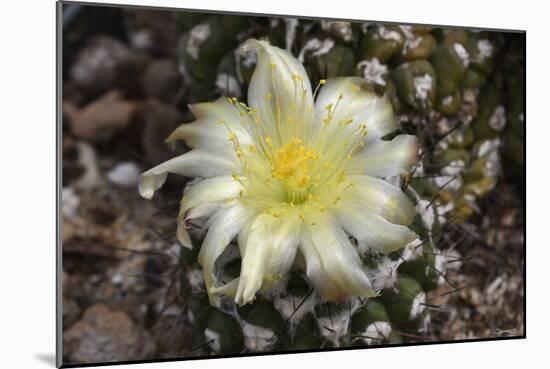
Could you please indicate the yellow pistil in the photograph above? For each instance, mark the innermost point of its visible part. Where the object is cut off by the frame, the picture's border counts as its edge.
(292, 165)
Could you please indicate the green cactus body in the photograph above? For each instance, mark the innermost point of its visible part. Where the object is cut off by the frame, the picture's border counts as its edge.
(445, 88)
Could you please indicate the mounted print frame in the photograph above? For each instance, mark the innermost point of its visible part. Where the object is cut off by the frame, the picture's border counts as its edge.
(236, 184)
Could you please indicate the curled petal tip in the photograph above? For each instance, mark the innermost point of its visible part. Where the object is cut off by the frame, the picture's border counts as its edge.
(183, 237)
(147, 194)
(250, 44)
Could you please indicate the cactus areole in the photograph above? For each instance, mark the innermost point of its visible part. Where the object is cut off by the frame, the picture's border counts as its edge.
(291, 176)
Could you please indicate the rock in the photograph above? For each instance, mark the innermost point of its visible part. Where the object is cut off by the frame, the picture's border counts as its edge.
(160, 120)
(124, 174)
(101, 64)
(100, 120)
(153, 31)
(103, 335)
(162, 80)
(87, 160)
(69, 202)
(71, 312)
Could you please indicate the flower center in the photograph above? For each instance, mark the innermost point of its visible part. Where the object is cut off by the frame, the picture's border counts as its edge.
(293, 164)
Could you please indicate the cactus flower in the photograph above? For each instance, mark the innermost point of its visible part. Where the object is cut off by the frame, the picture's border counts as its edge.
(291, 176)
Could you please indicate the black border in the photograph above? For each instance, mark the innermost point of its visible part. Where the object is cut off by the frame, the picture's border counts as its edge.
(59, 267)
(58, 184)
(225, 356)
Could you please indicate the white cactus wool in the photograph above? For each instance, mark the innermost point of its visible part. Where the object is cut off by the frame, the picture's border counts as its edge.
(293, 172)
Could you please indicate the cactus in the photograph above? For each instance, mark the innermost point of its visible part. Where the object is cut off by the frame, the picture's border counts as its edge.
(445, 87)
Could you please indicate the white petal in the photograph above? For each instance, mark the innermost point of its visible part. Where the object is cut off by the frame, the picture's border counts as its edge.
(386, 158)
(357, 103)
(333, 265)
(281, 92)
(370, 229)
(211, 131)
(228, 289)
(271, 244)
(202, 199)
(195, 163)
(380, 197)
(183, 236)
(210, 190)
(224, 225)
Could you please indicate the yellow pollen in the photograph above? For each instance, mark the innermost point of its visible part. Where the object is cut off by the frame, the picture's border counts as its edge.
(292, 164)
(322, 82)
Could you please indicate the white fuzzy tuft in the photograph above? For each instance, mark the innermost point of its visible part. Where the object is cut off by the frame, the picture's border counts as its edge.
(498, 118)
(414, 249)
(291, 25)
(387, 34)
(319, 48)
(447, 260)
(485, 49)
(213, 339)
(198, 35)
(373, 71)
(418, 306)
(422, 86)
(288, 307)
(385, 274)
(334, 327)
(228, 85)
(342, 29)
(426, 212)
(377, 332)
(447, 100)
(258, 339)
(195, 277)
(462, 54)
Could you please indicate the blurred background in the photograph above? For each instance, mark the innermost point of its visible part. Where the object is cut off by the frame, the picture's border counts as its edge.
(128, 75)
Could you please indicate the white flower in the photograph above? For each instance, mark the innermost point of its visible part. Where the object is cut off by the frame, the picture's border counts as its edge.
(287, 175)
